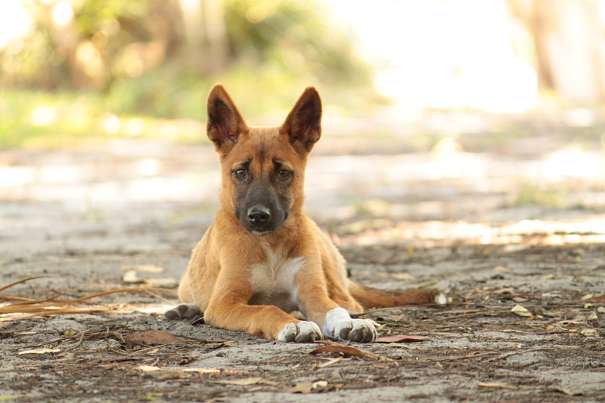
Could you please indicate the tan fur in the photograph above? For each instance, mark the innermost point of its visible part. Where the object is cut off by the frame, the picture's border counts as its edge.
(247, 282)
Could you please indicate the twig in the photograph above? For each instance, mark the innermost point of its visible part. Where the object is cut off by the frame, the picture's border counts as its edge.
(505, 355)
(76, 345)
(6, 287)
(465, 357)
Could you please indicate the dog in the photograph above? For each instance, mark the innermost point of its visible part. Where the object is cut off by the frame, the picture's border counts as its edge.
(263, 258)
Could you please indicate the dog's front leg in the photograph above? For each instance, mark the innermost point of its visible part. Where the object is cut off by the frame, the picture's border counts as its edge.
(335, 321)
(229, 309)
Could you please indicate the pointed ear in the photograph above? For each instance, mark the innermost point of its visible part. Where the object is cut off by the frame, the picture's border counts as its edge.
(225, 124)
(303, 124)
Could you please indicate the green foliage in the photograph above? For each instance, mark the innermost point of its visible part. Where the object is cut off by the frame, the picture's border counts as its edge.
(275, 49)
(534, 194)
(40, 119)
(296, 35)
(93, 16)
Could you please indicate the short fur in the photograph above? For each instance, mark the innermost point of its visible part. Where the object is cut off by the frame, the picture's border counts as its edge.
(242, 279)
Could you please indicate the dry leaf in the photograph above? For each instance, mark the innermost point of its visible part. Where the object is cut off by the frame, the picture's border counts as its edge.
(246, 381)
(154, 337)
(401, 338)
(520, 310)
(308, 387)
(587, 297)
(597, 298)
(39, 351)
(568, 392)
(188, 370)
(506, 290)
(304, 388)
(589, 332)
(347, 351)
(496, 385)
(148, 368)
(501, 269)
(519, 299)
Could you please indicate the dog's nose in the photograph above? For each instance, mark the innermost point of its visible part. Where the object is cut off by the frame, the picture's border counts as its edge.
(258, 214)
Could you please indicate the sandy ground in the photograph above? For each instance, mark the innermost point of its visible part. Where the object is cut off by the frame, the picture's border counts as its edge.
(454, 219)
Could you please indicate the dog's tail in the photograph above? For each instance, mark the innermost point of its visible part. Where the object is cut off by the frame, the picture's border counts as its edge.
(370, 297)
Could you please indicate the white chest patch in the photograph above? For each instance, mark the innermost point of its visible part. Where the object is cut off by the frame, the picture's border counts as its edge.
(273, 280)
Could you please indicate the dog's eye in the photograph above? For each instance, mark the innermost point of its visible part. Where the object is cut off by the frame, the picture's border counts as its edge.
(284, 174)
(241, 174)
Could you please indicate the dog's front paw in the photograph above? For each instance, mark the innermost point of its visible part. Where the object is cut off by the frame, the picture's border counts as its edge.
(340, 326)
(361, 330)
(183, 311)
(300, 332)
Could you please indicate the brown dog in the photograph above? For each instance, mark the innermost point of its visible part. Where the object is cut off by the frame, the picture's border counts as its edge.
(263, 257)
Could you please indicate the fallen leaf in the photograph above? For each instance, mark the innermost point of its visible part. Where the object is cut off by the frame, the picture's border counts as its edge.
(244, 381)
(186, 370)
(308, 387)
(598, 298)
(154, 337)
(347, 351)
(148, 368)
(568, 392)
(520, 310)
(507, 290)
(501, 269)
(519, 299)
(39, 351)
(496, 385)
(589, 332)
(587, 297)
(401, 338)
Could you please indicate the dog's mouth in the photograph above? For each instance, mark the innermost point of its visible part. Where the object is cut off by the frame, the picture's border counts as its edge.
(260, 233)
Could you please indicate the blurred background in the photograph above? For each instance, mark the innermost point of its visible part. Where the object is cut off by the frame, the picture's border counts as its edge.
(444, 111)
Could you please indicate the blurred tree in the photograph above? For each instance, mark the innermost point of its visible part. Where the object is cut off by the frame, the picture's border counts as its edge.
(568, 46)
(159, 56)
(94, 42)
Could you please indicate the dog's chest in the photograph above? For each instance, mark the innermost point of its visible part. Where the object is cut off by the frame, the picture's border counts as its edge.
(272, 281)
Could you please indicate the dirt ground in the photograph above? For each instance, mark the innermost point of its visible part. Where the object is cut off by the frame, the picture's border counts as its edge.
(464, 216)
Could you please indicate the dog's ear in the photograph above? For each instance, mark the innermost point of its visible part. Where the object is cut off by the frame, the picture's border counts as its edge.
(303, 124)
(225, 124)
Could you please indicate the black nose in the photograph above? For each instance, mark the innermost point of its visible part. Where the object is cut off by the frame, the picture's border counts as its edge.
(259, 215)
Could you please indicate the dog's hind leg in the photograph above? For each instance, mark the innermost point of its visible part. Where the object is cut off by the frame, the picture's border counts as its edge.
(183, 311)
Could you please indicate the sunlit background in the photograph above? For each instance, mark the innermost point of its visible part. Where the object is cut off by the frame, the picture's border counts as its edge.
(450, 112)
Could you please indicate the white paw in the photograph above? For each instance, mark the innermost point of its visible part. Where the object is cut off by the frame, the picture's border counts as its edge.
(340, 326)
(300, 332)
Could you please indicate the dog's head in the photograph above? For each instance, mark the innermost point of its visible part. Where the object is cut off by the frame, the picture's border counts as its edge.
(263, 168)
